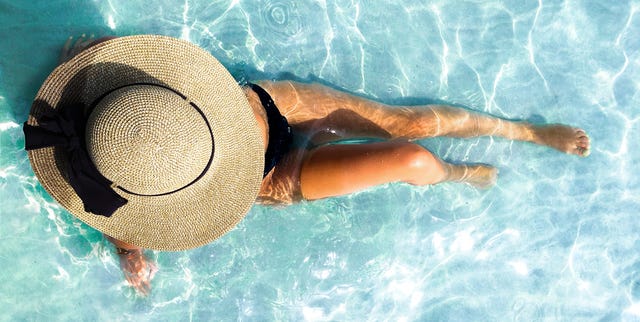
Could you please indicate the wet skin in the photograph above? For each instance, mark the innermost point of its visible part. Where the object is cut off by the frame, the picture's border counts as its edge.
(323, 114)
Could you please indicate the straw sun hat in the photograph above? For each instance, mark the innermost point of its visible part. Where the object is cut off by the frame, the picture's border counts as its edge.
(148, 139)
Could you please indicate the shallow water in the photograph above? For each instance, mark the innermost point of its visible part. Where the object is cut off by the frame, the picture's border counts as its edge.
(556, 239)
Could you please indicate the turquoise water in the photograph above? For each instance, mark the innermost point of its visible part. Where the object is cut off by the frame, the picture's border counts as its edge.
(556, 239)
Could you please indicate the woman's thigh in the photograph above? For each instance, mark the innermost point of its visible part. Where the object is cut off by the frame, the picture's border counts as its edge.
(327, 114)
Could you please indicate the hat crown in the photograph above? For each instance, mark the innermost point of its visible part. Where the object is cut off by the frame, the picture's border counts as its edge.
(148, 140)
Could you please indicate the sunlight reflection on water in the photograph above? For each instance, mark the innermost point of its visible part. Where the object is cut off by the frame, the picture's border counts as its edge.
(555, 239)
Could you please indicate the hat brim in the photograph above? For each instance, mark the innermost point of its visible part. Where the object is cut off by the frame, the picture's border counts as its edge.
(193, 216)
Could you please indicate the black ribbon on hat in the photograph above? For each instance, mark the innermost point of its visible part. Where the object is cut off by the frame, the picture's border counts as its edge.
(65, 128)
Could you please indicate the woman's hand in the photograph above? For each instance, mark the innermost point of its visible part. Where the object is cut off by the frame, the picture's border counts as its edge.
(73, 47)
(137, 268)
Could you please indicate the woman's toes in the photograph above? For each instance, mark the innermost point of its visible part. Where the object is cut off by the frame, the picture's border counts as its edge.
(582, 150)
(583, 142)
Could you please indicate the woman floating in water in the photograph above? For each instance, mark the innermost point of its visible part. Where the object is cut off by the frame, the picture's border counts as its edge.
(150, 140)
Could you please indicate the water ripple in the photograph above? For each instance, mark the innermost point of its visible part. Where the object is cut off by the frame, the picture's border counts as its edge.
(282, 17)
(556, 239)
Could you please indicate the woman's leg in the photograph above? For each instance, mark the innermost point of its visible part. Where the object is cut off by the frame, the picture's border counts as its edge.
(327, 114)
(335, 170)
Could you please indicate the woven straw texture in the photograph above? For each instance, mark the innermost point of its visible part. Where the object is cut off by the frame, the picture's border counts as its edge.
(151, 142)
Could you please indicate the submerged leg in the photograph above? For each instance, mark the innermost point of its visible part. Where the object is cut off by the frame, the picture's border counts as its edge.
(327, 114)
(336, 170)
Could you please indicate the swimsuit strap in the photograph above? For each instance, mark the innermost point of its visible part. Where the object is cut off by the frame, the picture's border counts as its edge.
(280, 136)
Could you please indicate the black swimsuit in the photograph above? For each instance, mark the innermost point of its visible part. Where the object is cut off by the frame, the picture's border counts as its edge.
(280, 136)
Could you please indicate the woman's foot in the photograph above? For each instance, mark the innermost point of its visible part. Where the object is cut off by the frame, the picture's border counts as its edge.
(563, 138)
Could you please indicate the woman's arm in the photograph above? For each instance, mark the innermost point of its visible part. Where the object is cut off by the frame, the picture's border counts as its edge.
(137, 268)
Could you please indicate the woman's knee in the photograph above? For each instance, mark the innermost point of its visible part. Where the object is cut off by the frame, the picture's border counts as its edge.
(422, 166)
